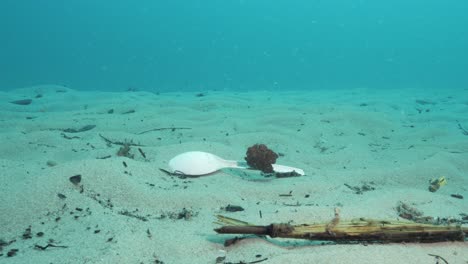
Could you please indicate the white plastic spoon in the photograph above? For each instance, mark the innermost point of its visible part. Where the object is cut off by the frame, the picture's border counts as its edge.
(195, 163)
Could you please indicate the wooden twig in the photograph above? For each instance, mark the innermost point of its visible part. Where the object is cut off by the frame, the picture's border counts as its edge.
(46, 246)
(464, 131)
(439, 257)
(286, 194)
(258, 261)
(120, 143)
(351, 231)
(164, 128)
(230, 221)
(178, 174)
(142, 153)
(250, 262)
(79, 130)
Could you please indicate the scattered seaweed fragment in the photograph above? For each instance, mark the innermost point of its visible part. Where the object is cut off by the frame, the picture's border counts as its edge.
(134, 214)
(120, 143)
(464, 131)
(2, 244)
(27, 234)
(408, 212)
(233, 208)
(287, 174)
(185, 214)
(12, 252)
(39, 247)
(131, 111)
(124, 151)
(365, 187)
(178, 174)
(82, 129)
(22, 102)
(247, 262)
(76, 179)
(164, 128)
(104, 157)
(232, 241)
(456, 195)
(424, 102)
(106, 203)
(51, 163)
(286, 194)
(156, 260)
(65, 136)
(220, 259)
(143, 154)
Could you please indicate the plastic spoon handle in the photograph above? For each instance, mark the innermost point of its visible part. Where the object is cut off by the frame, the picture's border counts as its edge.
(233, 164)
(287, 169)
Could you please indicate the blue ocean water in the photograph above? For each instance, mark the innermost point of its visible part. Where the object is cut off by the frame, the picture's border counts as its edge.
(233, 44)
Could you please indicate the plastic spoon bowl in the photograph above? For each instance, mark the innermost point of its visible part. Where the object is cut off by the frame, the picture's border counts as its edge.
(196, 163)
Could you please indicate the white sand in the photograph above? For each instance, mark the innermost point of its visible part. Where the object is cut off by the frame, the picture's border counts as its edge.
(337, 137)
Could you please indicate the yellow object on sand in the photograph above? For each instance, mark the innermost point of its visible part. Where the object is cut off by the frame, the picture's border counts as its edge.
(435, 184)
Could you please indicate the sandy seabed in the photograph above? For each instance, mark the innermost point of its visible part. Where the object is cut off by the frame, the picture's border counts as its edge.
(126, 210)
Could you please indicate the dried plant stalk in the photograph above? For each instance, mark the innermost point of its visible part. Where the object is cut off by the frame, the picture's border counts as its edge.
(348, 231)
